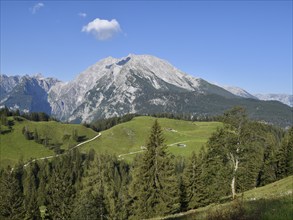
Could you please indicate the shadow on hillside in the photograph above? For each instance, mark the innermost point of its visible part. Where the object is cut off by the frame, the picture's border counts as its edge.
(5, 132)
(82, 138)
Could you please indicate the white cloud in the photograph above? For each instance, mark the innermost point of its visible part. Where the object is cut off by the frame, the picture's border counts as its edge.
(82, 14)
(37, 7)
(102, 29)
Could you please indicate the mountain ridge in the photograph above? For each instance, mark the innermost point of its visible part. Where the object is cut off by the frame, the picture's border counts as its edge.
(141, 84)
(112, 80)
(284, 98)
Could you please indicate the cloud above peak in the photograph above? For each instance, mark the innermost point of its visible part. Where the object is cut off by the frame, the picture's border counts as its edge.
(37, 7)
(102, 29)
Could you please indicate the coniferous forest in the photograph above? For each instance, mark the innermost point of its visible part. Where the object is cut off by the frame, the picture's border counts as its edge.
(239, 156)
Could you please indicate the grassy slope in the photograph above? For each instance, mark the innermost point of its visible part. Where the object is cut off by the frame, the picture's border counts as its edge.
(130, 136)
(121, 139)
(273, 201)
(14, 146)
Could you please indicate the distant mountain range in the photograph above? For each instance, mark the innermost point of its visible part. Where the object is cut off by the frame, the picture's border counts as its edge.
(27, 93)
(134, 84)
(284, 98)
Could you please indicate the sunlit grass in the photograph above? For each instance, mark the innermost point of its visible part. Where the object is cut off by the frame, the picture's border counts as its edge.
(14, 146)
(131, 136)
(273, 201)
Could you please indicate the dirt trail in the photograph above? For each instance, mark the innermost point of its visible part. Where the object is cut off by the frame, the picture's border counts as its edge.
(58, 155)
(136, 152)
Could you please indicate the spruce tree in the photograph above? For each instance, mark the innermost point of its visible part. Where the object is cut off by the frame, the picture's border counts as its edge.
(31, 197)
(154, 186)
(44, 175)
(285, 156)
(31, 205)
(235, 155)
(193, 182)
(183, 197)
(95, 205)
(61, 191)
(11, 197)
(87, 206)
(216, 170)
(116, 182)
(30, 191)
(268, 169)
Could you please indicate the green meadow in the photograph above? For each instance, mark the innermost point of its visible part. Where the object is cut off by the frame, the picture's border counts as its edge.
(182, 137)
(14, 146)
(131, 136)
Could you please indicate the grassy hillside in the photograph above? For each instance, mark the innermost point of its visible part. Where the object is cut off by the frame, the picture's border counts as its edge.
(273, 201)
(131, 136)
(123, 139)
(14, 145)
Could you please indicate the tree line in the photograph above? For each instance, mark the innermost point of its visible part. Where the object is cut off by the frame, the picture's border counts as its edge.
(104, 124)
(240, 155)
(32, 116)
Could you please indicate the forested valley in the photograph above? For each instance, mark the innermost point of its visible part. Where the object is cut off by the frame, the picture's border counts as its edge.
(241, 155)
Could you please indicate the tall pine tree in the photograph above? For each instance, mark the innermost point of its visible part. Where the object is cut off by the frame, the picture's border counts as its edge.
(193, 182)
(155, 186)
(285, 156)
(11, 196)
(31, 197)
(61, 190)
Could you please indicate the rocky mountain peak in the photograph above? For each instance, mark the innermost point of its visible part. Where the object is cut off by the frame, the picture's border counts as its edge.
(132, 84)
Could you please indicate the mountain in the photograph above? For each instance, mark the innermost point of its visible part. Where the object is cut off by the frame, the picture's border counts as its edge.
(141, 84)
(284, 98)
(28, 93)
(7, 83)
(239, 92)
(136, 83)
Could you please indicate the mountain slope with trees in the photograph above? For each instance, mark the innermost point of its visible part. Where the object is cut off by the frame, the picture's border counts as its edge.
(239, 156)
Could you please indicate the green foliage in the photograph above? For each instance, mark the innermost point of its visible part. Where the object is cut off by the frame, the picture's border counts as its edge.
(104, 124)
(90, 185)
(194, 182)
(183, 197)
(270, 145)
(61, 191)
(285, 156)
(11, 195)
(32, 116)
(4, 120)
(273, 201)
(89, 207)
(154, 186)
(105, 183)
(240, 154)
(31, 197)
(216, 169)
(43, 177)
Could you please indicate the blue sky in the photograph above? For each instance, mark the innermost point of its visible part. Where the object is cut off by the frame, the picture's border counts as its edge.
(241, 43)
